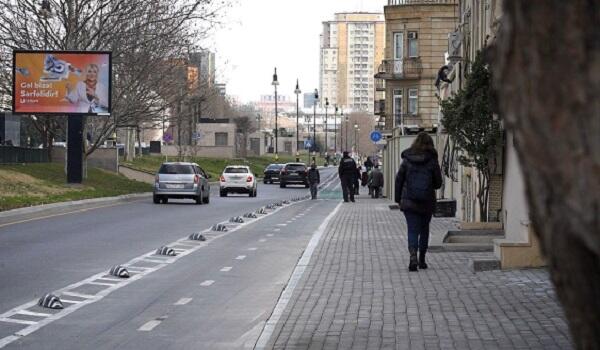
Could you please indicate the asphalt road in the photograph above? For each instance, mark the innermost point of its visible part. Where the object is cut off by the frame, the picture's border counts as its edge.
(216, 297)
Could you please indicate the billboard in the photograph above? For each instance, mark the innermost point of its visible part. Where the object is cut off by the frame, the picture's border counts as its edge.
(61, 82)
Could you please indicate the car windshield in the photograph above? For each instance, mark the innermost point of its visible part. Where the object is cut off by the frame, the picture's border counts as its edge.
(235, 171)
(274, 167)
(294, 167)
(176, 169)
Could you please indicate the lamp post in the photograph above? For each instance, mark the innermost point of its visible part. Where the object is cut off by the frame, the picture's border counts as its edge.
(326, 147)
(315, 122)
(346, 138)
(275, 83)
(297, 92)
(335, 131)
(355, 137)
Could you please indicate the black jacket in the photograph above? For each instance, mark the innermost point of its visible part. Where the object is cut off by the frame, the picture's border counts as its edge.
(347, 167)
(413, 158)
(376, 178)
(313, 176)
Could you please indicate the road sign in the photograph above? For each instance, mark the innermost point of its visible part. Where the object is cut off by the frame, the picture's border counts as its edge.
(167, 137)
(375, 136)
(307, 144)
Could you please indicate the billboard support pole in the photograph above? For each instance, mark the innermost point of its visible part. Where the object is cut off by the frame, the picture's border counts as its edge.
(75, 149)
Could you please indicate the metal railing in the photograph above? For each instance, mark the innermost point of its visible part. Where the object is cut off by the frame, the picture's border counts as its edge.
(413, 120)
(12, 155)
(407, 68)
(421, 2)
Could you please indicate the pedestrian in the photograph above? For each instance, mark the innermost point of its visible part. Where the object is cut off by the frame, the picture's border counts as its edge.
(347, 174)
(314, 179)
(376, 182)
(357, 179)
(369, 164)
(416, 181)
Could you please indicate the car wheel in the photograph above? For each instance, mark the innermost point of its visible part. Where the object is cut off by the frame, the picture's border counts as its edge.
(255, 192)
(271, 182)
(265, 181)
(199, 198)
(156, 199)
(306, 185)
(206, 200)
(223, 194)
(164, 200)
(282, 184)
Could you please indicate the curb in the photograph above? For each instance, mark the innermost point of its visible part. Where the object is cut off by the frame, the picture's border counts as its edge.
(56, 208)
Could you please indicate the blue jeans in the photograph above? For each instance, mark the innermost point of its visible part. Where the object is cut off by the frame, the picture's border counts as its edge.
(418, 230)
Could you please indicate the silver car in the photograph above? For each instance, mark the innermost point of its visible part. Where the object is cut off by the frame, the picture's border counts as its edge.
(181, 180)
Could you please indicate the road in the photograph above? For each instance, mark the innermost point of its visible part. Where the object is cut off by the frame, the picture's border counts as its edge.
(213, 295)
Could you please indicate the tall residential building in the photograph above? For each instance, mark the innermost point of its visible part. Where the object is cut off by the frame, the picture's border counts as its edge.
(352, 47)
(205, 61)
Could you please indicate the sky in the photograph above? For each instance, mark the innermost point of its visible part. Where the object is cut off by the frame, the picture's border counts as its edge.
(262, 34)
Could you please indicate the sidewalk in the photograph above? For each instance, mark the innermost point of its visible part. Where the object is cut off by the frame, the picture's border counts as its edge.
(357, 293)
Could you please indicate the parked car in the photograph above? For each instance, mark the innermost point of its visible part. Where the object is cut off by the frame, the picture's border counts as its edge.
(181, 180)
(237, 179)
(271, 173)
(293, 173)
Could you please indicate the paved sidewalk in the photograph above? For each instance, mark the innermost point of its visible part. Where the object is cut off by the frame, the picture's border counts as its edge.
(357, 293)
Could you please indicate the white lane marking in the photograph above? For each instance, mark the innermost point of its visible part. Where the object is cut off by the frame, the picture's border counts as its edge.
(240, 257)
(101, 284)
(262, 240)
(207, 283)
(183, 301)
(226, 269)
(277, 230)
(288, 222)
(110, 279)
(31, 313)
(252, 249)
(269, 235)
(148, 326)
(79, 295)
(286, 295)
(14, 320)
(137, 273)
(281, 224)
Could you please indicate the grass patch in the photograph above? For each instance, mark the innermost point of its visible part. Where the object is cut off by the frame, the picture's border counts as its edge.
(25, 185)
(215, 166)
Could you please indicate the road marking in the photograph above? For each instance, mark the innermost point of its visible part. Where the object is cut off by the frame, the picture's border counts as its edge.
(183, 301)
(101, 284)
(281, 224)
(31, 313)
(240, 257)
(252, 248)
(69, 301)
(148, 326)
(110, 279)
(14, 320)
(262, 240)
(277, 230)
(79, 295)
(286, 295)
(269, 235)
(207, 283)
(226, 269)
(288, 222)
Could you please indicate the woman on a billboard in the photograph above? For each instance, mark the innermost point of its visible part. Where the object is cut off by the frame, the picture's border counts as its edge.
(90, 94)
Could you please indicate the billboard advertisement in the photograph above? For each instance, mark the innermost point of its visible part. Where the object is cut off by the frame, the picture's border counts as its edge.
(61, 82)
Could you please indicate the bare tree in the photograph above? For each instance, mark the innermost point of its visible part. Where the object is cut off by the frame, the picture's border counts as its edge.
(146, 37)
(547, 66)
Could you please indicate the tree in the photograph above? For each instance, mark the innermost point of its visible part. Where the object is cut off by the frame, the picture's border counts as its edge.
(470, 122)
(547, 62)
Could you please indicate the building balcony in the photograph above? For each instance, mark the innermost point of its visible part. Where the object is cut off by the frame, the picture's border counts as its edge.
(379, 84)
(421, 2)
(407, 68)
(379, 107)
(414, 123)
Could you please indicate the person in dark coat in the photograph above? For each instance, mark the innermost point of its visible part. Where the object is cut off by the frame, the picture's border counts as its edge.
(347, 173)
(416, 181)
(376, 182)
(369, 164)
(314, 179)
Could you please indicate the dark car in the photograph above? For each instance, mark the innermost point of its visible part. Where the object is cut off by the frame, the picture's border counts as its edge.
(293, 173)
(272, 173)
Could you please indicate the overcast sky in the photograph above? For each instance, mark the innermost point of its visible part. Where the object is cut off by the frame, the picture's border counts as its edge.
(262, 34)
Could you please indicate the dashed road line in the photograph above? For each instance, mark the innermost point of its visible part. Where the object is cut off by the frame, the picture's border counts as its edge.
(262, 240)
(277, 230)
(183, 301)
(240, 257)
(269, 235)
(148, 326)
(252, 249)
(207, 283)
(226, 269)
(31, 313)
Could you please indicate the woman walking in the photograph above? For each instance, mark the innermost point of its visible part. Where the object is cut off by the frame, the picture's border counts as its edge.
(416, 181)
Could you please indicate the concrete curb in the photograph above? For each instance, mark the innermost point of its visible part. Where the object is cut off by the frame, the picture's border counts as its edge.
(62, 207)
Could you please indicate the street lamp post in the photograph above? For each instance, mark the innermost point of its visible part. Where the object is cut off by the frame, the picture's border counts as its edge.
(356, 137)
(315, 122)
(275, 83)
(335, 131)
(346, 138)
(297, 92)
(326, 147)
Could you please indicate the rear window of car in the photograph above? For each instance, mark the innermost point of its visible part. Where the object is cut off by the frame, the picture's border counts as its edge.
(294, 167)
(274, 167)
(235, 171)
(176, 169)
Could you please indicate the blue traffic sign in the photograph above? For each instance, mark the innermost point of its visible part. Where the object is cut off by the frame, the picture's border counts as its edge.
(307, 144)
(376, 136)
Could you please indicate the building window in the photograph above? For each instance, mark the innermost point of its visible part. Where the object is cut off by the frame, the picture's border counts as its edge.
(413, 44)
(413, 101)
(398, 45)
(221, 139)
(397, 107)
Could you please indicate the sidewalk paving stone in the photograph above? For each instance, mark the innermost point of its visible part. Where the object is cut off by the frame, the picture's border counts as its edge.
(357, 293)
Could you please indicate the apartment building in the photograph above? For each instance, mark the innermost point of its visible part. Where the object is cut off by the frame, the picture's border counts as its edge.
(352, 46)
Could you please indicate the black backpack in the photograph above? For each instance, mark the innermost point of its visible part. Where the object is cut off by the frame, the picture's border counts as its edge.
(419, 182)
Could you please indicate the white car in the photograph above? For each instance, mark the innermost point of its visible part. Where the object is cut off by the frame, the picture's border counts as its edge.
(237, 179)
